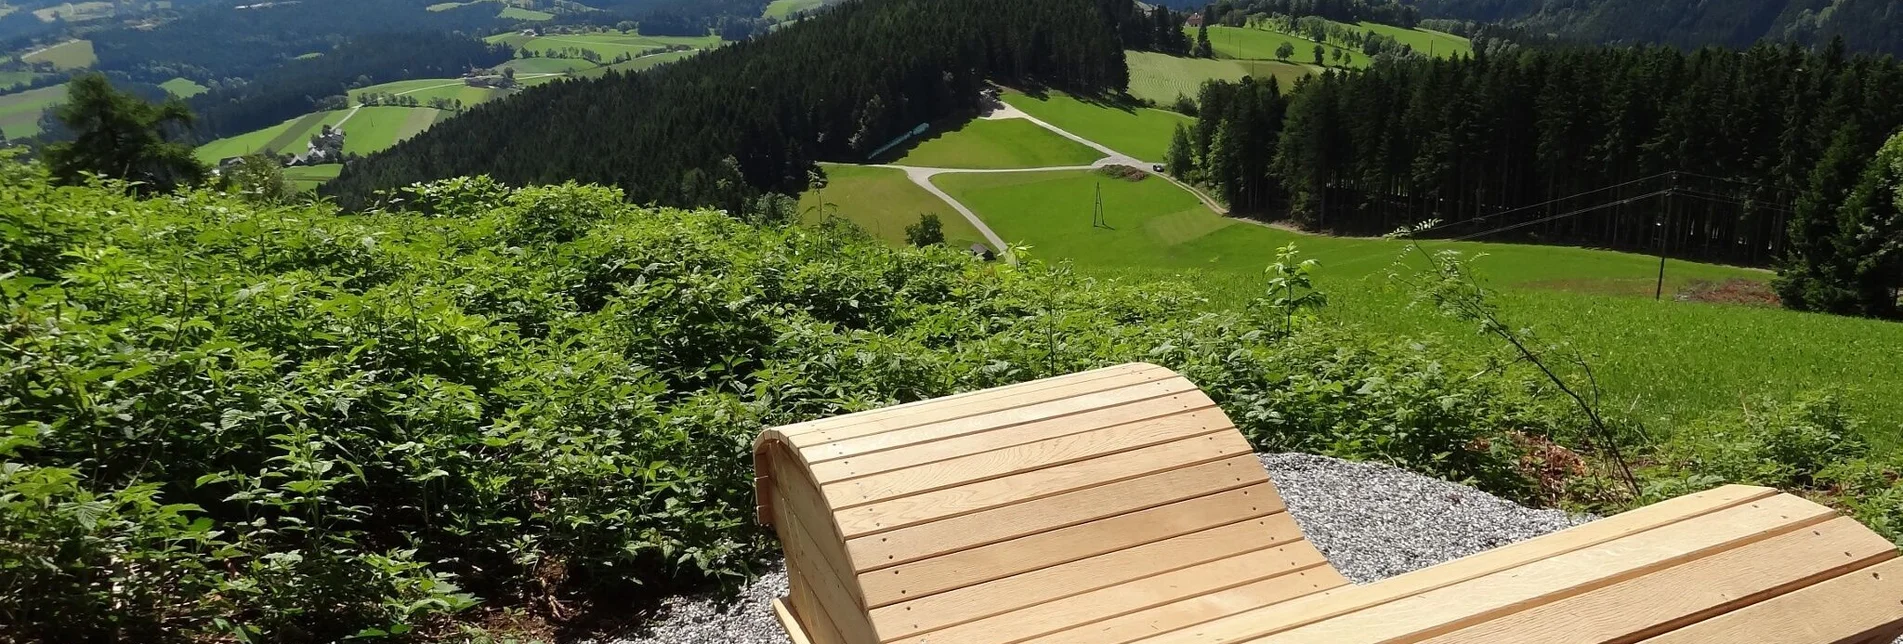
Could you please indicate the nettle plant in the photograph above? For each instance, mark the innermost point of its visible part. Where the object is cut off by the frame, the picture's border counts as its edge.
(233, 421)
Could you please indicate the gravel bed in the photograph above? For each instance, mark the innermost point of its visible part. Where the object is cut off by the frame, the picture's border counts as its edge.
(1371, 521)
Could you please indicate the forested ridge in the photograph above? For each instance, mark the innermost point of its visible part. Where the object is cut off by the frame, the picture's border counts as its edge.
(1867, 25)
(1552, 141)
(723, 126)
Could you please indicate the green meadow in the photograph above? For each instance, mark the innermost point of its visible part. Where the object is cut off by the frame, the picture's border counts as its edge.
(1140, 132)
(1161, 78)
(368, 130)
(518, 13)
(429, 88)
(183, 87)
(1661, 362)
(1251, 43)
(72, 54)
(20, 111)
(881, 201)
(307, 177)
(1426, 41)
(540, 65)
(638, 64)
(10, 80)
(608, 44)
(1000, 143)
(783, 9)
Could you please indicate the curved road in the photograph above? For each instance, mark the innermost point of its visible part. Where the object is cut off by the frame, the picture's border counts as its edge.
(923, 176)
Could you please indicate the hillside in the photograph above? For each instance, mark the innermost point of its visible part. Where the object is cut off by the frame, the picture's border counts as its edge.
(1865, 25)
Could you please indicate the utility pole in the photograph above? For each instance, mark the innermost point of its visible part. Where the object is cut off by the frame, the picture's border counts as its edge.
(1097, 219)
(1670, 192)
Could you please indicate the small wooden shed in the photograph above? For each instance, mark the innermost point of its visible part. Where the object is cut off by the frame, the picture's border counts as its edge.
(1121, 505)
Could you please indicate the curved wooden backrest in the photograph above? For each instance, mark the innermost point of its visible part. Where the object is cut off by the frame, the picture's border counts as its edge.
(1055, 509)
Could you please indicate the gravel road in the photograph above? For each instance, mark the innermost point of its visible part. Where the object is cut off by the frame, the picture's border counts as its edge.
(1372, 521)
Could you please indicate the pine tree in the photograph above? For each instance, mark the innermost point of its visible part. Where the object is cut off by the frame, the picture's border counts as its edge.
(1870, 234)
(1203, 48)
(1181, 160)
(1814, 275)
(118, 135)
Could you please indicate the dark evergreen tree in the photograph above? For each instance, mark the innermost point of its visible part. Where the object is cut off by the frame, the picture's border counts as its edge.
(121, 136)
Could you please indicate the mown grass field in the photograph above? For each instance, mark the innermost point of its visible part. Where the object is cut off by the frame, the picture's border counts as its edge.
(72, 54)
(20, 111)
(375, 129)
(307, 177)
(540, 65)
(10, 80)
(609, 44)
(1001, 143)
(1140, 132)
(371, 129)
(783, 9)
(639, 64)
(428, 88)
(1161, 77)
(183, 87)
(1250, 43)
(1661, 362)
(1426, 41)
(518, 13)
(74, 11)
(883, 202)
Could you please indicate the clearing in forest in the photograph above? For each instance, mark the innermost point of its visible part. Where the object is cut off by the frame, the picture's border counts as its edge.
(183, 87)
(995, 144)
(20, 111)
(72, 54)
(1140, 132)
(783, 9)
(1160, 78)
(1251, 43)
(881, 201)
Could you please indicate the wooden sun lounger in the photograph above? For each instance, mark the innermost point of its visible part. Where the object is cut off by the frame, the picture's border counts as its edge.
(1121, 505)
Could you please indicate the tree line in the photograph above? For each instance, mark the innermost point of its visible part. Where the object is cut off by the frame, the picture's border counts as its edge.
(724, 126)
(1865, 25)
(1724, 155)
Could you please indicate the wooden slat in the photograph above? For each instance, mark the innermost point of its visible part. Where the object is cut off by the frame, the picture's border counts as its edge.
(808, 612)
(1196, 610)
(1313, 608)
(794, 632)
(833, 591)
(1037, 551)
(1633, 610)
(965, 412)
(830, 444)
(1412, 618)
(935, 451)
(1129, 597)
(797, 500)
(1028, 486)
(1084, 575)
(1050, 513)
(881, 413)
(1861, 605)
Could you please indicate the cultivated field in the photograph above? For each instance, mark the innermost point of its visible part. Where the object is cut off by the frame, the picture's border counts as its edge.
(1162, 77)
(20, 111)
(1004, 143)
(72, 54)
(1663, 362)
(1143, 133)
(183, 87)
(883, 202)
(307, 177)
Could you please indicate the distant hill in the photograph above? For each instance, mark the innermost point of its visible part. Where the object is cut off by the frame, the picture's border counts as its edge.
(1865, 25)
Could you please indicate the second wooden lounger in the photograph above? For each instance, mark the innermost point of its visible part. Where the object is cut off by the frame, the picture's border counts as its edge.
(1121, 505)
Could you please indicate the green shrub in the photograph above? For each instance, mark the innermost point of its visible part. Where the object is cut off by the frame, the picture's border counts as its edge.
(242, 422)
(1769, 442)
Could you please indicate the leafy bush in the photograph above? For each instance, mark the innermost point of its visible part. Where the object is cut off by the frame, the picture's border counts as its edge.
(250, 422)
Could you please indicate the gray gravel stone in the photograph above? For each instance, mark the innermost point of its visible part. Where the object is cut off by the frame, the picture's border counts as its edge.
(1371, 521)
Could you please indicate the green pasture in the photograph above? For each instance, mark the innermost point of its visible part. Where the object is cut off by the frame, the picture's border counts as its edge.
(183, 87)
(1251, 43)
(74, 11)
(428, 88)
(1140, 132)
(1426, 41)
(783, 9)
(1000, 143)
(540, 65)
(20, 111)
(1161, 77)
(72, 54)
(10, 80)
(518, 13)
(375, 129)
(609, 44)
(1660, 362)
(307, 177)
(883, 202)
(638, 64)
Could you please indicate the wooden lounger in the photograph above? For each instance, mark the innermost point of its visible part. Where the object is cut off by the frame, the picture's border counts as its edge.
(1120, 505)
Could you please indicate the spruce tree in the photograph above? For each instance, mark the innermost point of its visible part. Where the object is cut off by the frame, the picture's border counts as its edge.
(121, 136)
(1203, 48)
(1870, 234)
(1814, 275)
(1181, 161)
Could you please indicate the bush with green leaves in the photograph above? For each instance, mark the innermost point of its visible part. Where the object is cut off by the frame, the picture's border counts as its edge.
(255, 422)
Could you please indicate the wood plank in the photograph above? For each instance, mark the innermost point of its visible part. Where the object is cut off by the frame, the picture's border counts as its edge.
(798, 501)
(1129, 597)
(991, 598)
(1865, 604)
(1635, 609)
(1036, 484)
(784, 616)
(975, 395)
(1317, 607)
(1042, 550)
(928, 540)
(926, 415)
(935, 451)
(809, 615)
(1024, 458)
(829, 445)
(1196, 610)
(1541, 582)
(834, 593)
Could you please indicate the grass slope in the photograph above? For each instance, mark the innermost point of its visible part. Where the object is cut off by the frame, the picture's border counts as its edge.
(883, 202)
(1426, 41)
(1162, 77)
(1143, 133)
(308, 177)
(783, 9)
(518, 13)
(428, 88)
(609, 44)
(20, 111)
(10, 80)
(1002, 143)
(183, 87)
(72, 54)
(1250, 43)
(375, 129)
(1666, 361)
(546, 65)
(638, 64)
